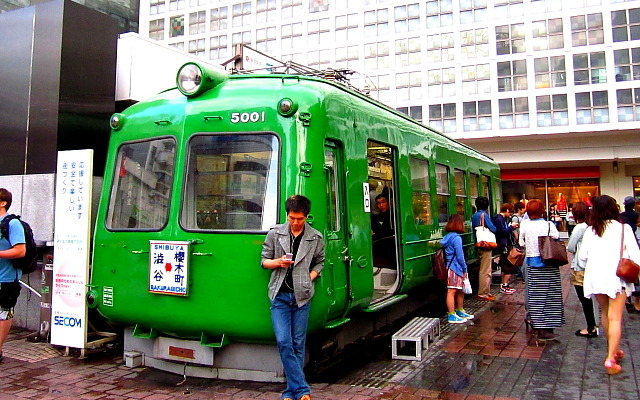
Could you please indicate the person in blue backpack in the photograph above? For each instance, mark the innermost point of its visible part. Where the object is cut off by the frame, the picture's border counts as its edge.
(457, 270)
(9, 276)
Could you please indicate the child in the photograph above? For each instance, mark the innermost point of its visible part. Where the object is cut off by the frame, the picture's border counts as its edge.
(452, 242)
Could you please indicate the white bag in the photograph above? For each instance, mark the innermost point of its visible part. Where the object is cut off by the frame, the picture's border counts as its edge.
(485, 239)
(466, 288)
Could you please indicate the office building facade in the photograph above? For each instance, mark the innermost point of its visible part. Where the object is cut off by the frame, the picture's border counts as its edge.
(550, 89)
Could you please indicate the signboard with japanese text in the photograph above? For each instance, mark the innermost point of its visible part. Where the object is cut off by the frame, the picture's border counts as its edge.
(168, 268)
(72, 219)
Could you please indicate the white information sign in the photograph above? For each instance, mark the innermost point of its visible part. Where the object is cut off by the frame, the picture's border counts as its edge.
(367, 197)
(74, 179)
(168, 267)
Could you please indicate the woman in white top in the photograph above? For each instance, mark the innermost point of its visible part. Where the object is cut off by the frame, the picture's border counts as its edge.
(601, 251)
(545, 310)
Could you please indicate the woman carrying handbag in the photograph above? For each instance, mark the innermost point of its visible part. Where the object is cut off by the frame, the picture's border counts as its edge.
(543, 286)
(601, 253)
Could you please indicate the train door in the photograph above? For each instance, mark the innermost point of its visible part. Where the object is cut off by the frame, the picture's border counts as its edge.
(336, 236)
(384, 227)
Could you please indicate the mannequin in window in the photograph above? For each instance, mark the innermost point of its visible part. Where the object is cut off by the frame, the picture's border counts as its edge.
(524, 200)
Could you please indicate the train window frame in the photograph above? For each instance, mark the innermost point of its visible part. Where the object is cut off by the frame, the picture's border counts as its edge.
(332, 190)
(443, 193)
(120, 172)
(460, 186)
(485, 187)
(268, 216)
(421, 200)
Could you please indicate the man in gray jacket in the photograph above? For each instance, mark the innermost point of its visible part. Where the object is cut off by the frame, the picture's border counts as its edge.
(295, 253)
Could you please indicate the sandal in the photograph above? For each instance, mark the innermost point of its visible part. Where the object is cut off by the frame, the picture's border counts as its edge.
(619, 355)
(587, 333)
(612, 367)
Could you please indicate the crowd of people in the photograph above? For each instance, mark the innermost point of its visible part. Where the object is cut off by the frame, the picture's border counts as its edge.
(600, 235)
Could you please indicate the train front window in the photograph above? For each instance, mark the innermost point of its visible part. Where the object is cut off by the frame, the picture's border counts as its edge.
(142, 185)
(231, 182)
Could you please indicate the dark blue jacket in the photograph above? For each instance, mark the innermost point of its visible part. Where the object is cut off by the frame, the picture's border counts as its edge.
(503, 232)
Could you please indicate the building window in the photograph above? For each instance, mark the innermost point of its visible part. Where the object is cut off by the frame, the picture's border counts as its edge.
(628, 104)
(177, 26)
(514, 113)
(545, 6)
(439, 13)
(196, 47)
(510, 39)
(414, 112)
(197, 22)
(473, 11)
(476, 115)
(156, 29)
(346, 27)
(265, 10)
(592, 107)
(584, 3)
(178, 45)
(508, 9)
(408, 52)
(550, 72)
(380, 89)
(552, 110)
(589, 68)
(176, 5)
(476, 79)
(474, 43)
(407, 18)
(626, 24)
(319, 59)
(318, 31)
(291, 36)
(157, 6)
(219, 19)
(218, 47)
(627, 64)
(442, 117)
(240, 38)
(409, 86)
(440, 47)
(318, 5)
(291, 8)
(241, 14)
(548, 34)
(346, 57)
(512, 75)
(441, 81)
(376, 23)
(266, 39)
(376, 55)
(195, 3)
(587, 29)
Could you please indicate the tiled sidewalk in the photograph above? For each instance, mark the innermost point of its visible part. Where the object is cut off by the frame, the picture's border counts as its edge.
(491, 358)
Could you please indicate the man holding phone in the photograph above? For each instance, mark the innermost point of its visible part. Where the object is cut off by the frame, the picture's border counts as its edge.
(295, 253)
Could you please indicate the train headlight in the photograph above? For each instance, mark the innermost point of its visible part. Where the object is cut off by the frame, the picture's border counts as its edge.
(117, 121)
(287, 107)
(194, 79)
(92, 298)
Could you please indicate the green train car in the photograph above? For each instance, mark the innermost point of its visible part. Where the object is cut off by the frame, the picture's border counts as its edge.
(196, 176)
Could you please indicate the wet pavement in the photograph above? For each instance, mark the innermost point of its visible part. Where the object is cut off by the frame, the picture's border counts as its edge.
(494, 357)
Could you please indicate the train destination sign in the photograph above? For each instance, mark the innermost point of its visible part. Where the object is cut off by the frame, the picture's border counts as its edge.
(168, 267)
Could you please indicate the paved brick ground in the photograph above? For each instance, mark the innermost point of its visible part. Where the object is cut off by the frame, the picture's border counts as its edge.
(492, 358)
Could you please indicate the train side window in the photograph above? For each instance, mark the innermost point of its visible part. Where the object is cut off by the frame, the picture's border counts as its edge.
(142, 185)
(444, 192)
(474, 181)
(231, 182)
(461, 190)
(333, 215)
(485, 189)
(421, 188)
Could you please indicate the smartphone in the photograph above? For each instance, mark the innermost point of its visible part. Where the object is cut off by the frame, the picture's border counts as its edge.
(288, 256)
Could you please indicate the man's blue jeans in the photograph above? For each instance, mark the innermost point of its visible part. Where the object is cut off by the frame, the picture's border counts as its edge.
(290, 327)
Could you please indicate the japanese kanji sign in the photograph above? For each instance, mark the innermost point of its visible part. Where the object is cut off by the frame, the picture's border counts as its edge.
(168, 270)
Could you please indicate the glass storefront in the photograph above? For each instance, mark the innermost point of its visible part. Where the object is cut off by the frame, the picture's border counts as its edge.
(557, 194)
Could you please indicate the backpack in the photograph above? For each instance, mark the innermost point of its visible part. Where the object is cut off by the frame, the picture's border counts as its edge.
(28, 263)
(440, 269)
